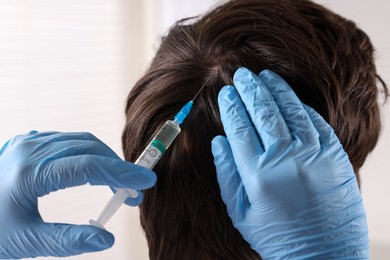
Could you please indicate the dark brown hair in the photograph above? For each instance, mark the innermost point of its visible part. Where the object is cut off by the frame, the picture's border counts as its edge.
(326, 59)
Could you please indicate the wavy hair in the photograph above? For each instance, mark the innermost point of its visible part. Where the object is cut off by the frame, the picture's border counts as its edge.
(327, 60)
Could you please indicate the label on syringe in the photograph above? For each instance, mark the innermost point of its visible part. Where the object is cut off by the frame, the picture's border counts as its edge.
(151, 154)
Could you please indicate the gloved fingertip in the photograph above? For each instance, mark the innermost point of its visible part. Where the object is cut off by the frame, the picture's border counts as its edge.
(241, 72)
(274, 81)
(226, 91)
(150, 179)
(247, 84)
(265, 74)
(217, 145)
(97, 240)
(140, 175)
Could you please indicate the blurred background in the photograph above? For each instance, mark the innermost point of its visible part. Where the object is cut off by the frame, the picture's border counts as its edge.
(68, 65)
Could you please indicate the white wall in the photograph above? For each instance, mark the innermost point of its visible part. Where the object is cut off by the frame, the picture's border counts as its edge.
(67, 65)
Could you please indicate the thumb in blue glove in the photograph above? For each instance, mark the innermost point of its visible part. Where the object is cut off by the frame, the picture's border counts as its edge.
(287, 183)
(35, 164)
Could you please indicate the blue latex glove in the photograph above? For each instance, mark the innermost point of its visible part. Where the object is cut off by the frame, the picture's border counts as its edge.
(35, 164)
(287, 183)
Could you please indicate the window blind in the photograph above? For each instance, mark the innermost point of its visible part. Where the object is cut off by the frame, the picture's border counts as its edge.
(68, 65)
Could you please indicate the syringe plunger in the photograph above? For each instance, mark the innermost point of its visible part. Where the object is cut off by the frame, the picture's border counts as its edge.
(149, 157)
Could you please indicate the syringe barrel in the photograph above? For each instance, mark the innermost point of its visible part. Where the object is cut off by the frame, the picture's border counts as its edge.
(160, 143)
(148, 158)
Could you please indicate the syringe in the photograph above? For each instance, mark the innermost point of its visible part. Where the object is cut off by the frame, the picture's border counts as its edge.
(148, 158)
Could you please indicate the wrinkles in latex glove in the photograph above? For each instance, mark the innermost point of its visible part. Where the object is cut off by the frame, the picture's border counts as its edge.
(287, 183)
(33, 165)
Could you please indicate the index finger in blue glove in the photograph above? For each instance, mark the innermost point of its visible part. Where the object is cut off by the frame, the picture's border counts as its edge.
(291, 108)
(55, 174)
(54, 138)
(232, 189)
(57, 149)
(262, 109)
(238, 128)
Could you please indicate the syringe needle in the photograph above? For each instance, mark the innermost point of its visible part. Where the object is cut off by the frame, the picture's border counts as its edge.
(204, 84)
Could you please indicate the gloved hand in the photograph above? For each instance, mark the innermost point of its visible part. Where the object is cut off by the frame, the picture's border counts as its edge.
(35, 164)
(287, 183)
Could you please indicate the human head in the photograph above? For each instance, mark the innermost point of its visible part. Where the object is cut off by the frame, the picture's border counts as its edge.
(325, 58)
